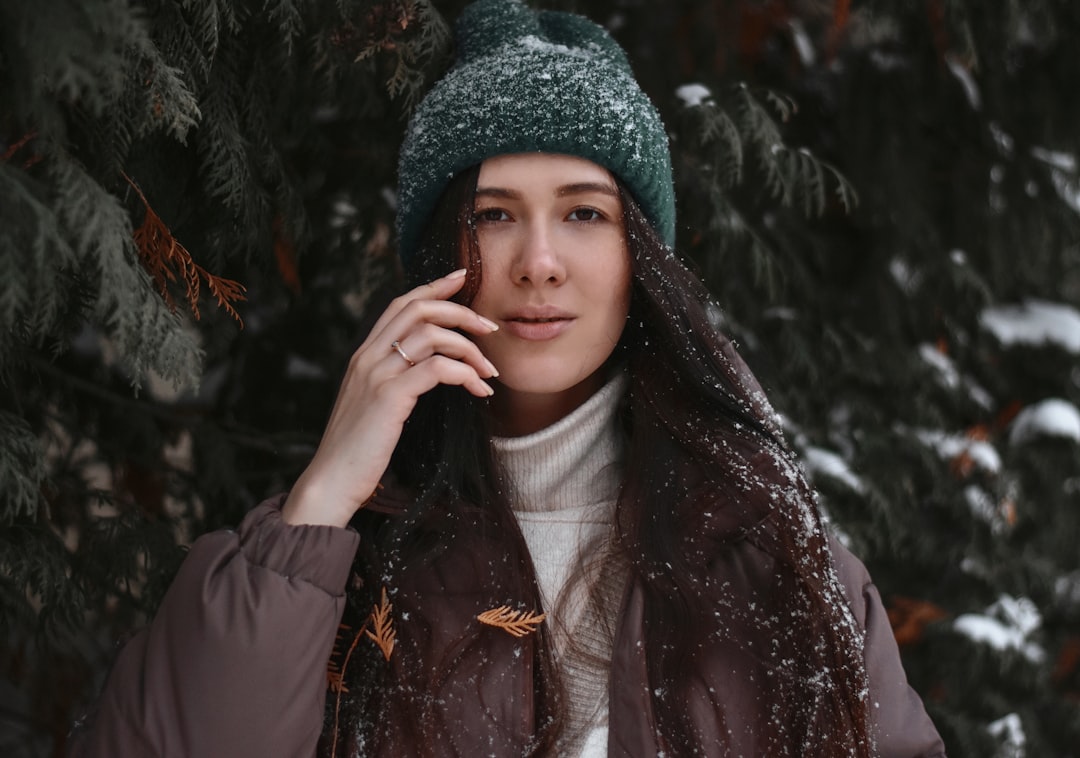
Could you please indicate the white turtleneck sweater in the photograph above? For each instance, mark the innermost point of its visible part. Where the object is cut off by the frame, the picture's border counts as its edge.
(564, 483)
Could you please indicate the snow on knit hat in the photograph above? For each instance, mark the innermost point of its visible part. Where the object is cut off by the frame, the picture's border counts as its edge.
(527, 81)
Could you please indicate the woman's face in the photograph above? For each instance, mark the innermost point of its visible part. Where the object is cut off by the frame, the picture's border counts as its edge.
(555, 278)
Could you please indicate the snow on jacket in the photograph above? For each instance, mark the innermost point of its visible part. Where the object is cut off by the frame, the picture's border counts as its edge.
(234, 664)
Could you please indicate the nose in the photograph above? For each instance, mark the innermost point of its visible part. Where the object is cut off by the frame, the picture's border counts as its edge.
(537, 260)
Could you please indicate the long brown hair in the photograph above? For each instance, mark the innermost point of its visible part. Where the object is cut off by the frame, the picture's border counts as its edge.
(705, 469)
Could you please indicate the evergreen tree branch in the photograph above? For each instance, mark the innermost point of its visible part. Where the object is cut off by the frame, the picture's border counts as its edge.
(169, 261)
(32, 252)
(297, 445)
(148, 336)
(22, 470)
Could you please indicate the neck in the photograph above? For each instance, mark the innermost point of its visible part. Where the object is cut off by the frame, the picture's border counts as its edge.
(572, 463)
(515, 413)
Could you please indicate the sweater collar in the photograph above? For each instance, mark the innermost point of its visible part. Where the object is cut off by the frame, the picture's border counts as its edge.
(574, 462)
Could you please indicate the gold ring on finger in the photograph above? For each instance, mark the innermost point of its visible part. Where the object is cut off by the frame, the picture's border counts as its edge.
(396, 344)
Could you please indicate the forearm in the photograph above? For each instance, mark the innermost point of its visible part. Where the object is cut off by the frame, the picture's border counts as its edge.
(234, 662)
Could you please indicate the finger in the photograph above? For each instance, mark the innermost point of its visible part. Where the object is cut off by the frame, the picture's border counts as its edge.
(441, 313)
(439, 289)
(436, 370)
(428, 340)
(419, 316)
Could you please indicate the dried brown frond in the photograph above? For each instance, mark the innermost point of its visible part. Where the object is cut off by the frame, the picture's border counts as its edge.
(285, 256)
(516, 623)
(382, 632)
(380, 29)
(910, 616)
(335, 673)
(226, 292)
(18, 145)
(168, 261)
(841, 16)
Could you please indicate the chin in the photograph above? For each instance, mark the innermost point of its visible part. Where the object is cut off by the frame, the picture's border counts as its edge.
(539, 384)
(545, 378)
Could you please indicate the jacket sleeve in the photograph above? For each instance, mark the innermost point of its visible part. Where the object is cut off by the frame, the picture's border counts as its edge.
(902, 727)
(234, 662)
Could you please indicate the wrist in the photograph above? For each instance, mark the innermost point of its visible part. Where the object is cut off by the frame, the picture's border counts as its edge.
(310, 504)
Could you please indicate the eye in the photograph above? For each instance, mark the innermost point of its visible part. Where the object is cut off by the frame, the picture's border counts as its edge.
(585, 214)
(488, 215)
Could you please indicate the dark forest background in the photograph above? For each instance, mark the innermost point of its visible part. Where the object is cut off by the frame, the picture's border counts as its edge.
(196, 209)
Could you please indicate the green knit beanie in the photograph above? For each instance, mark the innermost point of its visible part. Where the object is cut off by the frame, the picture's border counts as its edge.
(527, 81)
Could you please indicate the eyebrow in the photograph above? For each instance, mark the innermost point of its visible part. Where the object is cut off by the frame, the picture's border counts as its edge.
(578, 188)
(582, 188)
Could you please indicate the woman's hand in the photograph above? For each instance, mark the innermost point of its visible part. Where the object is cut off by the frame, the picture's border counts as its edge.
(411, 349)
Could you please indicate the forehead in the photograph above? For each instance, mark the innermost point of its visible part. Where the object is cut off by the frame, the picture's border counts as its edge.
(541, 169)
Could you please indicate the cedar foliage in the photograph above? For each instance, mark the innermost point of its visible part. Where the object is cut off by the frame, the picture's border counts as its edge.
(863, 182)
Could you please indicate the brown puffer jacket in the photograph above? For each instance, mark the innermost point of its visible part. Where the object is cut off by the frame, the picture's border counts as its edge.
(234, 663)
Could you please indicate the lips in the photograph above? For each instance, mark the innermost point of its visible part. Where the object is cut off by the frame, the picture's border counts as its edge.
(538, 323)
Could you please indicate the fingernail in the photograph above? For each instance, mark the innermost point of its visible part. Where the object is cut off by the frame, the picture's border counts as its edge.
(491, 367)
(490, 390)
(489, 324)
(459, 274)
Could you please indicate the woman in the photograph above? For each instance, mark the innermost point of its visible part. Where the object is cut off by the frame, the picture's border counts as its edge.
(573, 529)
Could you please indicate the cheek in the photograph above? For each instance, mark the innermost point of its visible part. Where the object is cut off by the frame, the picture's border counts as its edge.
(481, 297)
(483, 283)
(474, 276)
(487, 344)
(621, 281)
(620, 312)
